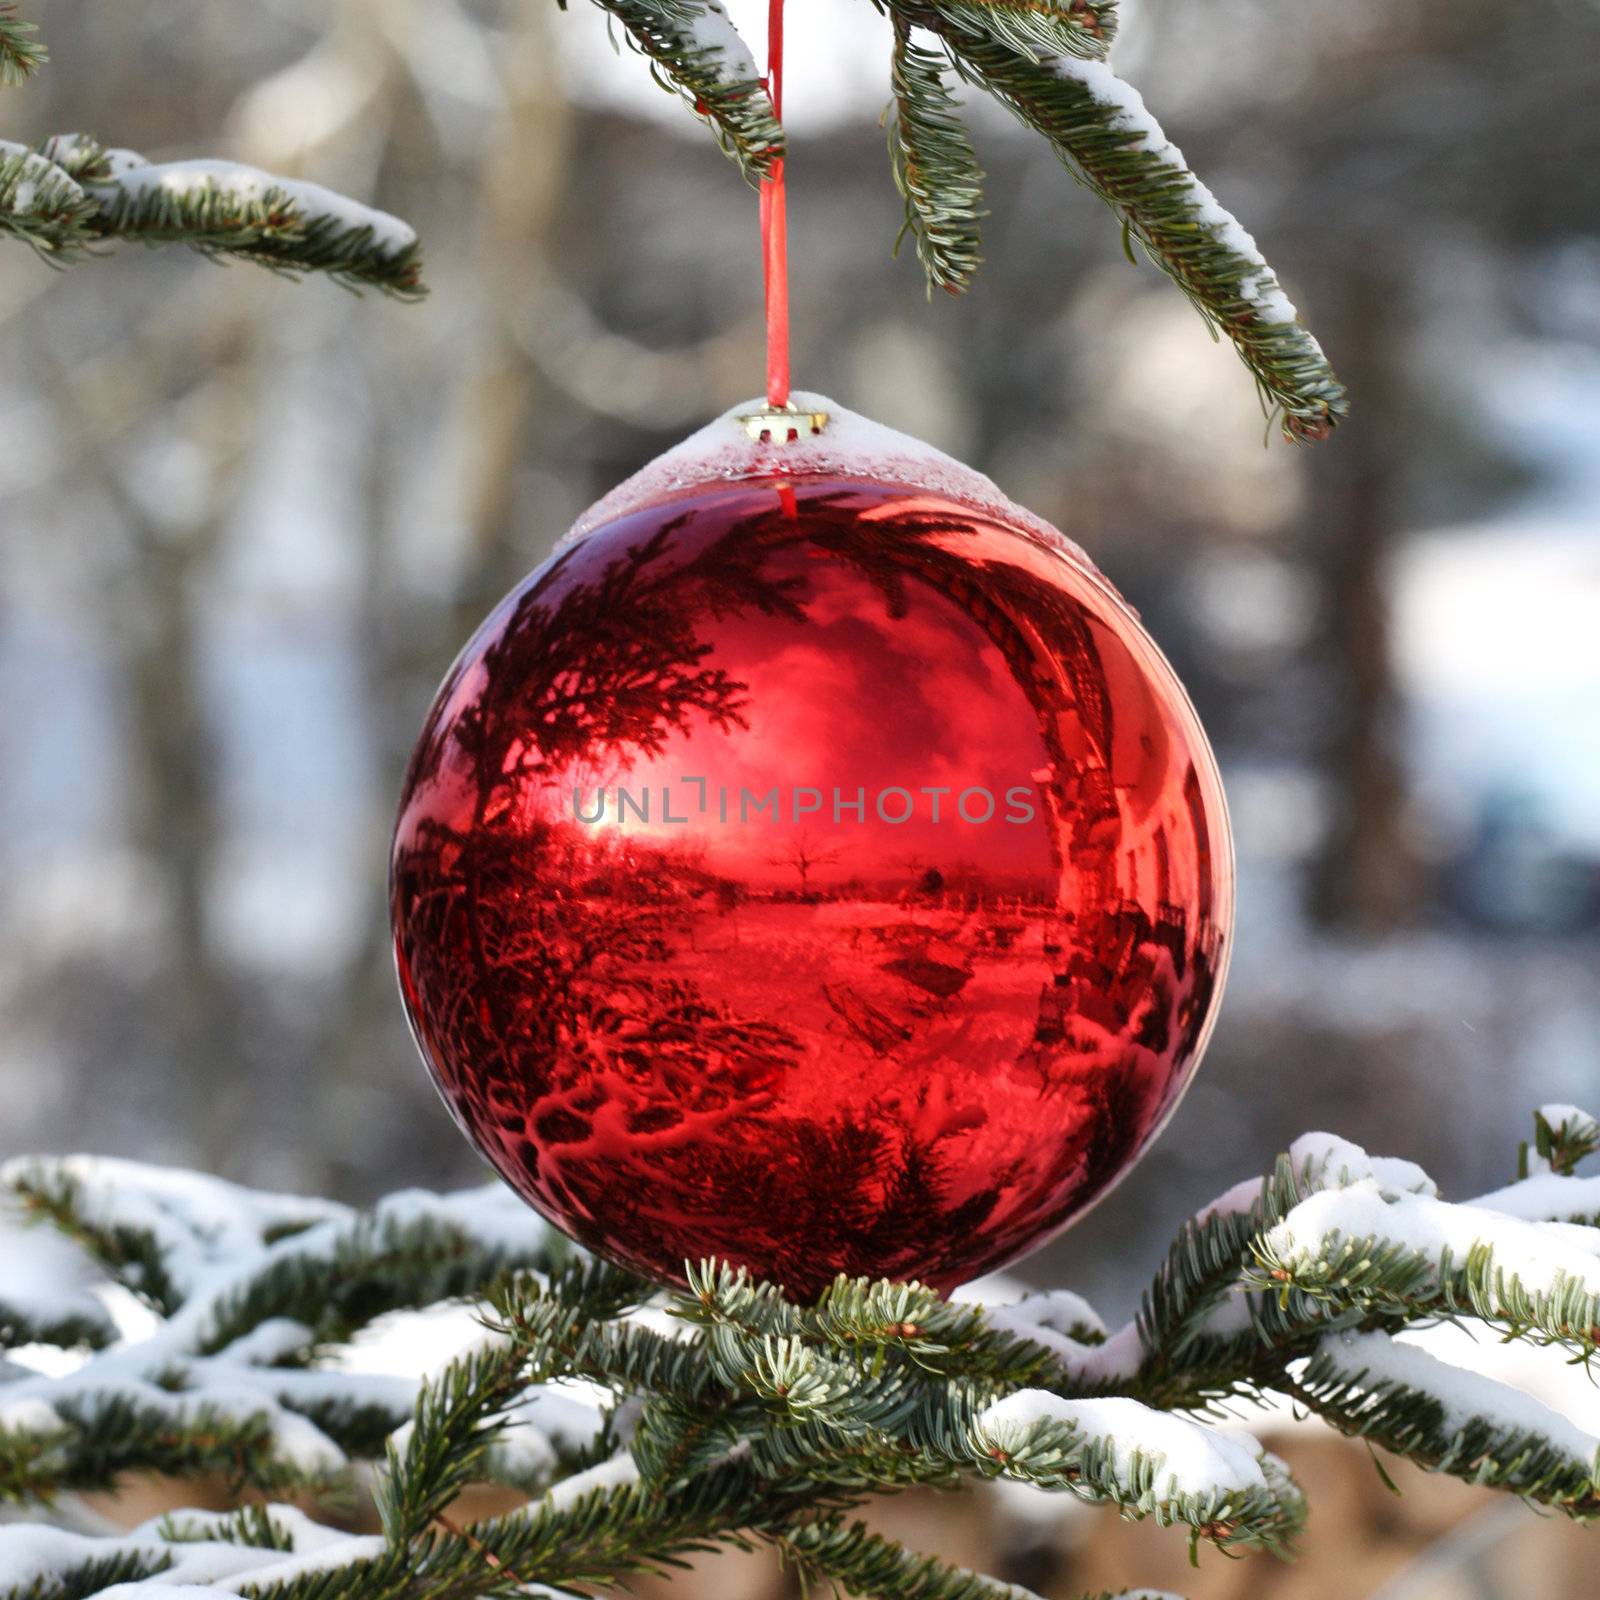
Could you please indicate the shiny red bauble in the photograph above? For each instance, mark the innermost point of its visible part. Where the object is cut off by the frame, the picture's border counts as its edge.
(815, 870)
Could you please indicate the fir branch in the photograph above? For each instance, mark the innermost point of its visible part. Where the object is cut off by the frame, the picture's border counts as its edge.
(852, 1557)
(458, 1420)
(723, 1295)
(1412, 1257)
(76, 193)
(566, 1328)
(1203, 1339)
(1098, 126)
(1036, 30)
(91, 1577)
(130, 1254)
(1562, 1137)
(254, 1525)
(1185, 1361)
(1117, 1452)
(672, 1442)
(337, 1284)
(1447, 1420)
(935, 167)
(618, 1529)
(696, 53)
(225, 210)
(21, 52)
(42, 206)
(21, 1325)
(1045, 60)
(101, 1442)
(762, 1420)
(938, 1336)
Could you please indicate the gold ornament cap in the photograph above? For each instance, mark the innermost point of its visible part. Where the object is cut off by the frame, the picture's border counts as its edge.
(785, 424)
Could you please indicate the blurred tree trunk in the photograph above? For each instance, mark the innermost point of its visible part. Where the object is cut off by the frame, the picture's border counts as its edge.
(1366, 878)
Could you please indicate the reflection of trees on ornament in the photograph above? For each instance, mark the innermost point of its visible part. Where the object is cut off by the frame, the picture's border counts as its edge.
(914, 1069)
(805, 855)
(559, 994)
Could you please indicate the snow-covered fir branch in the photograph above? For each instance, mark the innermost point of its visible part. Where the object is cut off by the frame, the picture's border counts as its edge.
(165, 1321)
(236, 1294)
(74, 193)
(696, 52)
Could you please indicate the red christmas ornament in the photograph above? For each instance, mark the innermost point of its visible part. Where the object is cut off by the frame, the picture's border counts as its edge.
(815, 865)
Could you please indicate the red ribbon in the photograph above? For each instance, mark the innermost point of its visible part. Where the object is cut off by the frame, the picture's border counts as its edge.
(775, 228)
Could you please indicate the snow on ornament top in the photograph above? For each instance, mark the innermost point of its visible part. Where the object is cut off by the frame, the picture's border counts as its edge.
(850, 446)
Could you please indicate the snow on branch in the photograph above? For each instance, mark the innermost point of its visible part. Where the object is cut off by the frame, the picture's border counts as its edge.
(40, 204)
(74, 193)
(47, 1288)
(1451, 1420)
(160, 1231)
(1379, 1251)
(245, 1289)
(1547, 1197)
(222, 208)
(1099, 126)
(1146, 1462)
(254, 1551)
(1562, 1137)
(643, 1426)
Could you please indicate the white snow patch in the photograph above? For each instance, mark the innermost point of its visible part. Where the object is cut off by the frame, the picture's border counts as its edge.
(491, 1215)
(28, 1413)
(200, 1224)
(1194, 1460)
(617, 1473)
(1574, 1120)
(1230, 1316)
(1335, 1163)
(1058, 1310)
(850, 447)
(415, 1343)
(1113, 1359)
(211, 1237)
(712, 30)
(1541, 1254)
(1465, 1395)
(46, 1277)
(1545, 1197)
(270, 1341)
(1234, 1202)
(214, 1391)
(992, 1289)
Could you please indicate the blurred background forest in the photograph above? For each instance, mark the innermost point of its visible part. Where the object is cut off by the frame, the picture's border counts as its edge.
(244, 527)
